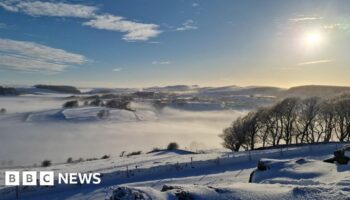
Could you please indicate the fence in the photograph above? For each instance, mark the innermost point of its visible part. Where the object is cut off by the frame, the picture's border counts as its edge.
(132, 173)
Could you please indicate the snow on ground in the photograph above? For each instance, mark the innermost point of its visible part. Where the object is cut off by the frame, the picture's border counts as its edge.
(30, 103)
(37, 128)
(211, 175)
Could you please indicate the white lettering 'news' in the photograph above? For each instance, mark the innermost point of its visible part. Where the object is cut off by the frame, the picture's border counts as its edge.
(47, 178)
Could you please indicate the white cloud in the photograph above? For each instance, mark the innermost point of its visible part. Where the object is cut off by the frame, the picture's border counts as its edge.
(302, 18)
(7, 5)
(161, 63)
(39, 8)
(117, 69)
(314, 62)
(338, 27)
(195, 4)
(33, 57)
(134, 30)
(188, 25)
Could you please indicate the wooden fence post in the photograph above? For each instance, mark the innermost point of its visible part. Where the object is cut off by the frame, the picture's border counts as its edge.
(127, 171)
(17, 192)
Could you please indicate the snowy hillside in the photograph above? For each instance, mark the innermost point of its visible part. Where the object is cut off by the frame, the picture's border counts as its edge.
(211, 175)
(116, 142)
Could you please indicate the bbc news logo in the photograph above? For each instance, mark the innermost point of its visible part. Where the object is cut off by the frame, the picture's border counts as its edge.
(47, 178)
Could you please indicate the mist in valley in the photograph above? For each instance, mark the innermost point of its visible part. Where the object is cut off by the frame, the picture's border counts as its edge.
(30, 142)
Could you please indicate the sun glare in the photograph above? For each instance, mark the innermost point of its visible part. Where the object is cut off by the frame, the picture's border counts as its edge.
(313, 38)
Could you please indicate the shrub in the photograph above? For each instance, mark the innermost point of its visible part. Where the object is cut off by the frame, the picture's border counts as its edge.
(172, 146)
(118, 104)
(46, 163)
(134, 153)
(2, 111)
(96, 102)
(105, 157)
(71, 104)
(70, 160)
(8, 91)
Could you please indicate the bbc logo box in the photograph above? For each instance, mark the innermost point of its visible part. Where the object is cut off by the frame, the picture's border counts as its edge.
(29, 178)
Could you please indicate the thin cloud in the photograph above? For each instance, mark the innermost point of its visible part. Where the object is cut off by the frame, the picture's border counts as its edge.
(289, 68)
(337, 27)
(195, 4)
(314, 62)
(117, 69)
(302, 19)
(161, 63)
(134, 31)
(33, 57)
(39, 8)
(188, 25)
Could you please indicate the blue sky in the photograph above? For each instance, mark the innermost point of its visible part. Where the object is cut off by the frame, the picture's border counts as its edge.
(139, 43)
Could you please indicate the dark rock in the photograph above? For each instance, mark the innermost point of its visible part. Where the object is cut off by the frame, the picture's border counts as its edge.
(125, 193)
(71, 104)
(301, 161)
(262, 166)
(179, 192)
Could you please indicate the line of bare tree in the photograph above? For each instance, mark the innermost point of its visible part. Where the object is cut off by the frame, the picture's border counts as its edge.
(291, 121)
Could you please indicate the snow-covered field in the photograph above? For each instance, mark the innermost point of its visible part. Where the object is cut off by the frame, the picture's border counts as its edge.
(35, 128)
(210, 175)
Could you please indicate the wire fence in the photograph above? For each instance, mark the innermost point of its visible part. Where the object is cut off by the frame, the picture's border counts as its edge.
(128, 173)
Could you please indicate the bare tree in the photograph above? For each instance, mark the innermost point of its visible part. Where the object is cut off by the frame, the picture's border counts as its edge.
(233, 136)
(267, 126)
(288, 115)
(251, 128)
(326, 119)
(342, 108)
(292, 121)
(306, 122)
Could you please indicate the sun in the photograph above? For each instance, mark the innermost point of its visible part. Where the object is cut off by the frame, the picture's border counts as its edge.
(313, 38)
